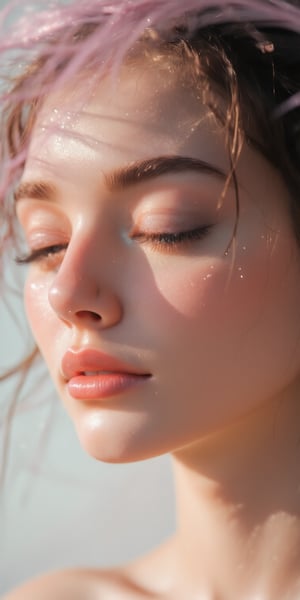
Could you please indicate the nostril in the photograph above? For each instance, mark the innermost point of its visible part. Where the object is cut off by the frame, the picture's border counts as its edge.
(88, 314)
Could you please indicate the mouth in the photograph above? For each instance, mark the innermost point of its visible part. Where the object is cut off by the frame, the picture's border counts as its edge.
(92, 375)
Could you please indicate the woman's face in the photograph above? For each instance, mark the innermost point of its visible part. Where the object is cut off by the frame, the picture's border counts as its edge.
(155, 335)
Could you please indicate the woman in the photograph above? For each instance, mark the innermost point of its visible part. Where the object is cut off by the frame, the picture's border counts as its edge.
(153, 152)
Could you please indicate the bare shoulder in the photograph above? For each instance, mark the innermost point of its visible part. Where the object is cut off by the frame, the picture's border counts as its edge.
(138, 580)
(73, 584)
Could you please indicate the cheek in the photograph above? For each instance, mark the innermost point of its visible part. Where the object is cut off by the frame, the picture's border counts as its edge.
(39, 314)
(207, 289)
(250, 291)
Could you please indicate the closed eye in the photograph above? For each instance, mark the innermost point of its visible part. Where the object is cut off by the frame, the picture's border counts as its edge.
(167, 241)
(40, 254)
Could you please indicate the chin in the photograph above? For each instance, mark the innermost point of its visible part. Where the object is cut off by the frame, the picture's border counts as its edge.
(113, 454)
(116, 445)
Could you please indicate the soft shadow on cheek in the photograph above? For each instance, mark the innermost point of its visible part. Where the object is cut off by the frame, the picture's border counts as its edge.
(190, 292)
(216, 290)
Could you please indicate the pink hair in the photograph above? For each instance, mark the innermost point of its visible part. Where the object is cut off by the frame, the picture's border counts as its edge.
(27, 31)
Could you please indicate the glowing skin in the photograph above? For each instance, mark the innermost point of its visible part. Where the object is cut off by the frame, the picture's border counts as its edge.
(218, 331)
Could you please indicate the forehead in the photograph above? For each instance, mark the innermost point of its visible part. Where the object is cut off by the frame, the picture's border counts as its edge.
(123, 119)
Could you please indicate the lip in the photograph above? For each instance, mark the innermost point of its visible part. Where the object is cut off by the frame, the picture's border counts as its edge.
(107, 375)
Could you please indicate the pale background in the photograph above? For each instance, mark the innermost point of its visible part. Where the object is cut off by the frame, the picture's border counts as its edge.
(58, 507)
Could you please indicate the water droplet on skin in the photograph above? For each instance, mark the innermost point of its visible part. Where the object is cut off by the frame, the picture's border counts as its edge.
(239, 268)
(37, 287)
(208, 275)
(241, 276)
(244, 248)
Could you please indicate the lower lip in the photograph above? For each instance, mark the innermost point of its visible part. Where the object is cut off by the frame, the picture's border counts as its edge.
(95, 387)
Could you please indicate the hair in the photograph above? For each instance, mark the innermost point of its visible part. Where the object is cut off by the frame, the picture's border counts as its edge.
(251, 60)
(245, 52)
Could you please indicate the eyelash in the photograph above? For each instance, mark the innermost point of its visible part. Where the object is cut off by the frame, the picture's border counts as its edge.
(40, 254)
(170, 241)
(156, 240)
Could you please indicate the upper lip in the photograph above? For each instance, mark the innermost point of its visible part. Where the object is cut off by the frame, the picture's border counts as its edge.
(76, 362)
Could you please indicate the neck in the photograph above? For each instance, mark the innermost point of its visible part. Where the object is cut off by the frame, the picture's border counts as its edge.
(238, 508)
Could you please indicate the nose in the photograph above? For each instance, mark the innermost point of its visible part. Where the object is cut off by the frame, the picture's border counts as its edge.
(83, 292)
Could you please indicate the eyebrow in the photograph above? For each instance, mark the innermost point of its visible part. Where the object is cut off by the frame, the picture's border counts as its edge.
(152, 168)
(132, 174)
(37, 190)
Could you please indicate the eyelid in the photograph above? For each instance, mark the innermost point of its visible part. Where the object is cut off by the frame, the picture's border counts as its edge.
(175, 208)
(156, 218)
(36, 215)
